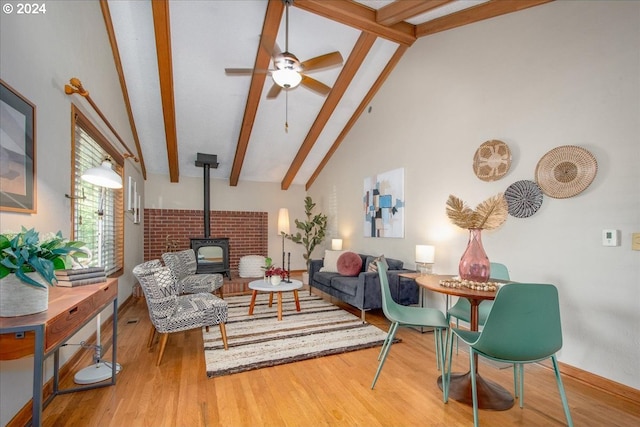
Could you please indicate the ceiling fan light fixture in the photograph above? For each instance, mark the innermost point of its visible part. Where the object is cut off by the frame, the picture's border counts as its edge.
(286, 78)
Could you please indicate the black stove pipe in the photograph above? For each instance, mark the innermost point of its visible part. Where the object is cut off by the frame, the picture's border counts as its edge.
(207, 161)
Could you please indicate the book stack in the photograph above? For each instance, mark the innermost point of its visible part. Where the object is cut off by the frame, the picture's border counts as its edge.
(80, 276)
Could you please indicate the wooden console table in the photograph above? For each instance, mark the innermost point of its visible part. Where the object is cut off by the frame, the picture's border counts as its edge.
(44, 333)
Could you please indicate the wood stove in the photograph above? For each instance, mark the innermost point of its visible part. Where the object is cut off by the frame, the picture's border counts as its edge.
(212, 254)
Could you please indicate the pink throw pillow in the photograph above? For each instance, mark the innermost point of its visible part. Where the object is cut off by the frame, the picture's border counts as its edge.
(349, 264)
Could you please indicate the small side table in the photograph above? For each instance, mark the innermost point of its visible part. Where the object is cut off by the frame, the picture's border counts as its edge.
(263, 286)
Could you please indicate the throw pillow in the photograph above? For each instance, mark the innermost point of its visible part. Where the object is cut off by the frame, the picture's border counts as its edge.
(373, 266)
(330, 263)
(349, 264)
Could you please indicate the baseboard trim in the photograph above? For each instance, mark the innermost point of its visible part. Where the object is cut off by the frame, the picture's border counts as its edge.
(601, 383)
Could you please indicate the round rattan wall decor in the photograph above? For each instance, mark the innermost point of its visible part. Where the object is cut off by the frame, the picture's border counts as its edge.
(524, 198)
(566, 171)
(492, 160)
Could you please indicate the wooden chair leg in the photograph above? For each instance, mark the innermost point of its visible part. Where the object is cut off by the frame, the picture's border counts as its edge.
(163, 344)
(223, 332)
(221, 291)
(152, 335)
(206, 328)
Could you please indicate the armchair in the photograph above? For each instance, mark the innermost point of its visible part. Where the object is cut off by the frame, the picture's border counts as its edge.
(170, 312)
(183, 265)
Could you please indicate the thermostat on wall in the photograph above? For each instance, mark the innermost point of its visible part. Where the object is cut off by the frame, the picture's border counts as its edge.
(610, 237)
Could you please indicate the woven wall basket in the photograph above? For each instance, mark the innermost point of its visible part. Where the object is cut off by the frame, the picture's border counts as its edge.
(492, 160)
(566, 171)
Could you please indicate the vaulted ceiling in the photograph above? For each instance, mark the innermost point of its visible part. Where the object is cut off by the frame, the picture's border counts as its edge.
(172, 56)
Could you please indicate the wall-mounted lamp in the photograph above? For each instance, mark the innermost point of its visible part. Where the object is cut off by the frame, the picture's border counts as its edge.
(103, 175)
(336, 244)
(425, 256)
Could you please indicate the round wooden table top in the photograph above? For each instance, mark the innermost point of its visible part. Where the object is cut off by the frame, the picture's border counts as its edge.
(432, 282)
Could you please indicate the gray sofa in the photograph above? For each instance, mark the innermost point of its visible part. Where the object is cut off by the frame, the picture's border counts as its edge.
(363, 291)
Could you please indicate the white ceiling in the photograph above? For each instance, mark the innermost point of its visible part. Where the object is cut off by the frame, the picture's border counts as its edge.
(209, 36)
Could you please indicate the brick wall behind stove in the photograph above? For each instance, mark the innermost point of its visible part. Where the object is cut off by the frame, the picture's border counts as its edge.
(247, 231)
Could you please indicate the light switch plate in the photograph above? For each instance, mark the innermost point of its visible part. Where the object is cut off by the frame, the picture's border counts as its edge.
(610, 237)
(635, 241)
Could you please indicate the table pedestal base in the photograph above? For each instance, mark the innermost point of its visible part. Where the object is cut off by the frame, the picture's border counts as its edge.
(490, 395)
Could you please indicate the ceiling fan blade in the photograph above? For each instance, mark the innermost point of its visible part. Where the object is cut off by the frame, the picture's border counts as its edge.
(322, 61)
(272, 50)
(315, 85)
(274, 91)
(244, 71)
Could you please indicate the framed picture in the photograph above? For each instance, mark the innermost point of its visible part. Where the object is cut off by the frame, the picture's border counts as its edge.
(17, 152)
(383, 203)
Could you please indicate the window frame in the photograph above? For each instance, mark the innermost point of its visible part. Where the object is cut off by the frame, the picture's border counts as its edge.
(78, 119)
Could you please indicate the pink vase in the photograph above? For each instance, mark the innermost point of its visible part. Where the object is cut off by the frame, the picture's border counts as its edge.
(474, 264)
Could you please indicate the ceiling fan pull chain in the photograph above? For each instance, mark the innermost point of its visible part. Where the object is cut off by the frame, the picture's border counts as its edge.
(286, 111)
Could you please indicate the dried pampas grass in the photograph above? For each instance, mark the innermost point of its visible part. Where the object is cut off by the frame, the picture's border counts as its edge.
(488, 215)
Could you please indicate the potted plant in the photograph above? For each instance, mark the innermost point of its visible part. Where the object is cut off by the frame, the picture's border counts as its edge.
(275, 275)
(27, 266)
(312, 231)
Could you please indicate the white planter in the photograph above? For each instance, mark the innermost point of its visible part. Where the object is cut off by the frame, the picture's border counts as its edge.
(20, 299)
(275, 280)
(305, 278)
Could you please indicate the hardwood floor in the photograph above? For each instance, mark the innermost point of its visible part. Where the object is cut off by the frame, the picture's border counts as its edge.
(328, 391)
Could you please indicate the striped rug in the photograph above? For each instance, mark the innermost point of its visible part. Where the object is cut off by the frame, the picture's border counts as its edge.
(260, 340)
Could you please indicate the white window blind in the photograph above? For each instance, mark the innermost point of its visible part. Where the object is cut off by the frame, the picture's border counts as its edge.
(98, 217)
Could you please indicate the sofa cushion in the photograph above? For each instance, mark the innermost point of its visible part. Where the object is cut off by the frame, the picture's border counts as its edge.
(324, 278)
(346, 285)
(349, 264)
(330, 263)
(372, 262)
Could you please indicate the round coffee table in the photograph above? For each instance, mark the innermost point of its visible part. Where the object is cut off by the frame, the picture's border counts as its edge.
(263, 286)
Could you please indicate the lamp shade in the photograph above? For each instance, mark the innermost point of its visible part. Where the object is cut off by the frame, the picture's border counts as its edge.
(103, 175)
(425, 254)
(286, 78)
(283, 221)
(336, 244)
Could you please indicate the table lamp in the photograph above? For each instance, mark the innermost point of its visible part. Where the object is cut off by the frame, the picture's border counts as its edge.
(336, 244)
(425, 255)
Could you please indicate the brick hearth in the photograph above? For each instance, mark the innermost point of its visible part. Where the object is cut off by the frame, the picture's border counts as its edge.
(247, 232)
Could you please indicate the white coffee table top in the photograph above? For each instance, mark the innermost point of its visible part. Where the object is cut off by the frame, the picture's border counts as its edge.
(261, 285)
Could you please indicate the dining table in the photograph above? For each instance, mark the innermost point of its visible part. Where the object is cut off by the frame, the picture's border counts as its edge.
(490, 394)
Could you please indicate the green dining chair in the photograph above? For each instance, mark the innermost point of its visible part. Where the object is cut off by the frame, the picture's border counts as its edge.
(401, 315)
(522, 327)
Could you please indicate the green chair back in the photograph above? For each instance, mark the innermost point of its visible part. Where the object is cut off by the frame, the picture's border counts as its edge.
(523, 325)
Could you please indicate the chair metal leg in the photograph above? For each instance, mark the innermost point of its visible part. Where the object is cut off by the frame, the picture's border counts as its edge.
(223, 333)
(449, 355)
(163, 344)
(515, 380)
(520, 394)
(392, 332)
(474, 386)
(563, 396)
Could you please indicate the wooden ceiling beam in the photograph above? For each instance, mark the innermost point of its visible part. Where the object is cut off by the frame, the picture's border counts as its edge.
(106, 13)
(356, 115)
(399, 11)
(270, 27)
(360, 17)
(477, 13)
(351, 66)
(162, 27)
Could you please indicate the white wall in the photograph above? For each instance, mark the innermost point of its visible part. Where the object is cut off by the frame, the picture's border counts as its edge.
(246, 196)
(39, 54)
(558, 74)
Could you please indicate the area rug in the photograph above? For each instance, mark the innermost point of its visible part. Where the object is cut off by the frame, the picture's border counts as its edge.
(260, 340)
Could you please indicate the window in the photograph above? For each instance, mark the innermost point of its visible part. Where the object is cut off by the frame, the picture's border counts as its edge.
(103, 233)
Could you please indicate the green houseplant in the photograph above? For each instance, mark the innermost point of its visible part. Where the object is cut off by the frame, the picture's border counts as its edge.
(27, 266)
(24, 252)
(311, 232)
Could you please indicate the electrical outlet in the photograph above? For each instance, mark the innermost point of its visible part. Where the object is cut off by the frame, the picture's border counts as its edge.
(610, 237)
(635, 241)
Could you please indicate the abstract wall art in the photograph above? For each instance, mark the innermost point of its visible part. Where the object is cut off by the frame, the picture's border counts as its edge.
(383, 203)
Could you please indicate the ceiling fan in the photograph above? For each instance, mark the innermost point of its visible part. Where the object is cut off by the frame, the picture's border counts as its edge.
(289, 72)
